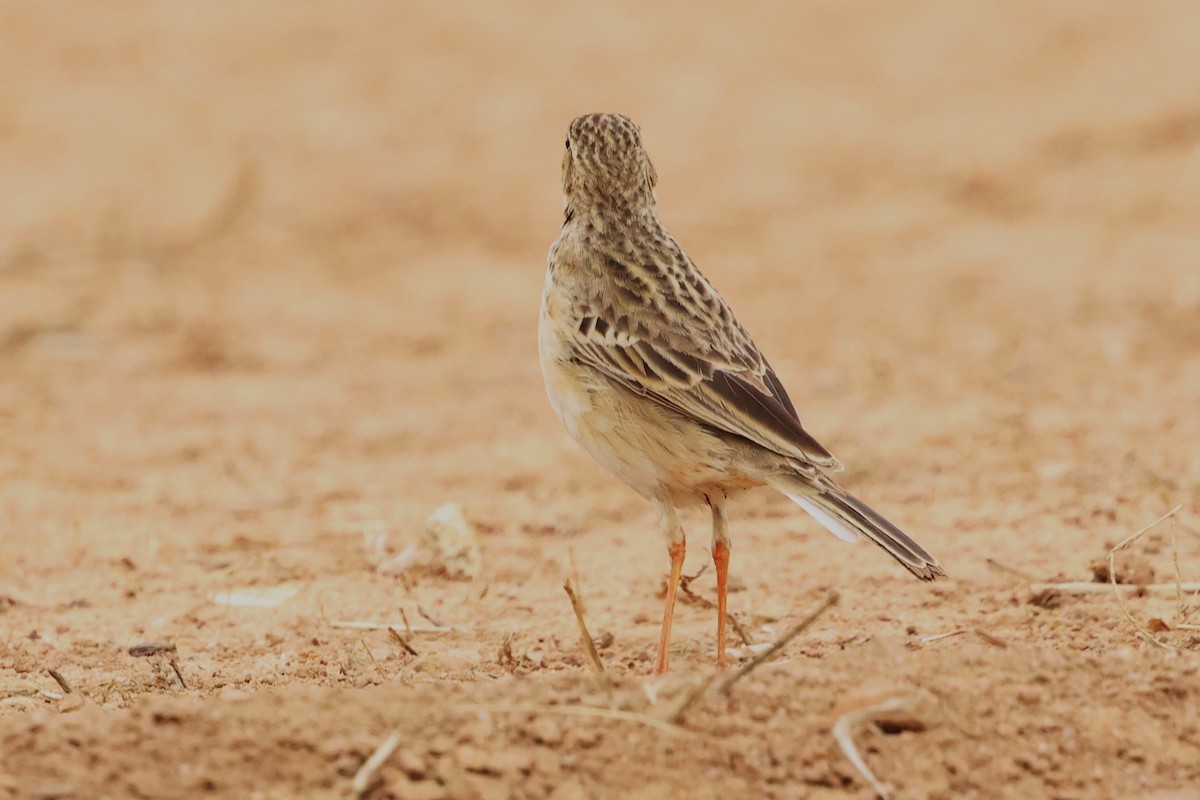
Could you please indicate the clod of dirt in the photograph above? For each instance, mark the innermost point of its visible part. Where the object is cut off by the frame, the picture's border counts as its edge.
(454, 541)
(148, 649)
(1047, 598)
(9, 598)
(1131, 569)
(899, 721)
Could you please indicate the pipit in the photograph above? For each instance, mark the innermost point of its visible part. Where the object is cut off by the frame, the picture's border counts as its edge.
(654, 376)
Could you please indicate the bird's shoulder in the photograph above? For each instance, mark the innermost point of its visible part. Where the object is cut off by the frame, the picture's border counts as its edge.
(642, 286)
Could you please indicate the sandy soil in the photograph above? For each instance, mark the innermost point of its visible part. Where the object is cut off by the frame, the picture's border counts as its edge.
(269, 277)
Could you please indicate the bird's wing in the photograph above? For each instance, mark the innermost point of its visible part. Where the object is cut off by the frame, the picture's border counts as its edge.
(688, 352)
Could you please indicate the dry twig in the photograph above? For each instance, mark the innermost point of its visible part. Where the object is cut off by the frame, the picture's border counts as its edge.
(829, 602)
(739, 630)
(991, 639)
(937, 637)
(60, 680)
(994, 564)
(1088, 587)
(726, 683)
(843, 729)
(430, 617)
(1180, 605)
(1112, 578)
(363, 625)
(685, 586)
(178, 674)
(402, 641)
(689, 595)
(506, 658)
(371, 656)
(365, 777)
(588, 643)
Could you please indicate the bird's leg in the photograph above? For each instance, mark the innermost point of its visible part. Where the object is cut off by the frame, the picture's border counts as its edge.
(720, 554)
(676, 547)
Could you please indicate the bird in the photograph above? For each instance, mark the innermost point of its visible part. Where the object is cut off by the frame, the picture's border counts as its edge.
(651, 373)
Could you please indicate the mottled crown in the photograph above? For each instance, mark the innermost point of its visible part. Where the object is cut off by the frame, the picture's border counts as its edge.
(606, 164)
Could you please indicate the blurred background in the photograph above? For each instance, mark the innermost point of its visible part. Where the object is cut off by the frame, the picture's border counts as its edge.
(270, 269)
(269, 284)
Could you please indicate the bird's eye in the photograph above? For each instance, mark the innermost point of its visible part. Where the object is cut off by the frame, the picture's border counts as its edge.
(568, 144)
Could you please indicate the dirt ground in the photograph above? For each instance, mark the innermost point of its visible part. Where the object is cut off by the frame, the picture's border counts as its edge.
(269, 278)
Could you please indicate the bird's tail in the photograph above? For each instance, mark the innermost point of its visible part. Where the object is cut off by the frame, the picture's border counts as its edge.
(845, 516)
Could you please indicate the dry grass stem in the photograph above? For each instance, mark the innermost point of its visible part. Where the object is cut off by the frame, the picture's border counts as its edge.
(60, 680)
(371, 656)
(572, 711)
(589, 644)
(178, 674)
(994, 564)
(506, 658)
(1112, 578)
(1194, 602)
(739, 630)
(1138, 627)
(843, 734)
(430, 618)
(692, 698)
(1087, 587)
(1128, 540)
(994, 641)
(726, 682)
(256, 596)
(1180, 604)
(408, 648)
(689, 595)
(991, 639)
(363, 625)
(365, 777)
(829, 602)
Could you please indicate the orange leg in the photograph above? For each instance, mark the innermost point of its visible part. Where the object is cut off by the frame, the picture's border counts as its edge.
(720, 553)
(676, 550)
(721, 560)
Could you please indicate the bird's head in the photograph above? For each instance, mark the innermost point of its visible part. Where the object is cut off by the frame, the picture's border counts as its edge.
(605, 164)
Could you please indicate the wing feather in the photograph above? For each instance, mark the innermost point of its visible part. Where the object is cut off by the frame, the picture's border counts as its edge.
(704, 366)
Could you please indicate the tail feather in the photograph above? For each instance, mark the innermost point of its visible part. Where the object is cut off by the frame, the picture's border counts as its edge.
(845, 516)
